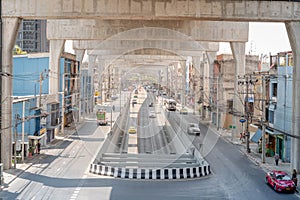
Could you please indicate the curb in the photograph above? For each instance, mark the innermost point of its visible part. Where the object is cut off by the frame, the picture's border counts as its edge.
(151, 174)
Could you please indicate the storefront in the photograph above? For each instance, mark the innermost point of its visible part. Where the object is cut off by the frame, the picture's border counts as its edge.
(34, 139)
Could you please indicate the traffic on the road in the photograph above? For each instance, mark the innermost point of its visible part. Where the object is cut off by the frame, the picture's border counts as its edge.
(140, 141)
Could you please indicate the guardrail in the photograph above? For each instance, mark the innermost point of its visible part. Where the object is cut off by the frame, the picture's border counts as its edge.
(113, 135)
(146, 173)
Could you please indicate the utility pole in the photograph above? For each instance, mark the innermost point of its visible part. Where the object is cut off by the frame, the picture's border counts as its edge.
(63, 104)
(1, 69)
(17, 117)
(23, 131)
(247, 114)
(263, 119)
(41, 89)
(217, 102)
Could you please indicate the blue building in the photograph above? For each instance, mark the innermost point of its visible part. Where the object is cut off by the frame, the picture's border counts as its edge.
(280, 106)
(29, 73)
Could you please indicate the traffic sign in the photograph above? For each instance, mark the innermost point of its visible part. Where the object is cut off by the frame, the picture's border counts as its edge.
(242, 120)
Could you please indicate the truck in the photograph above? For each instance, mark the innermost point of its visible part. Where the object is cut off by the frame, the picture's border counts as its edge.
(101, 117)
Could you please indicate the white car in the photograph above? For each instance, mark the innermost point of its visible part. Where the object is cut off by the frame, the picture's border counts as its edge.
(193, 129)
(152, 114)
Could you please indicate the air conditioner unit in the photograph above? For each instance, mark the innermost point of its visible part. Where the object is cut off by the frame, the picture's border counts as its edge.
(274, 99)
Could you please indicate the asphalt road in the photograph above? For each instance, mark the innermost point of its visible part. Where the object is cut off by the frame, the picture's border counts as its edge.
(62, 173)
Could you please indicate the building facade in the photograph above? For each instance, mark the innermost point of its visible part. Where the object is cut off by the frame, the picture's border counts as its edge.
(32, 36)
(280, 105)
(42, 118)
(222, 87)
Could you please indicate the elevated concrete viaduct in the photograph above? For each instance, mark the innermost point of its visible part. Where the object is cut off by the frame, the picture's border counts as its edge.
(199, 10)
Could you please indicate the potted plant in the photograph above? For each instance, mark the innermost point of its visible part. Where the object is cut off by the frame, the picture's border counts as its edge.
(31, 151)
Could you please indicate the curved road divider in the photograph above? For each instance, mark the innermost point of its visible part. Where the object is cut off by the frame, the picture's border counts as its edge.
(156, 174)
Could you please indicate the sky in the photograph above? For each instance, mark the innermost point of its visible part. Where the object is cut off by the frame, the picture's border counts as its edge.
(264, 38)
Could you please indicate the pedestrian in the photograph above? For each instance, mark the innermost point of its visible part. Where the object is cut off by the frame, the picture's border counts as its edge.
(38, 147)
(294, 177)
(276, 157)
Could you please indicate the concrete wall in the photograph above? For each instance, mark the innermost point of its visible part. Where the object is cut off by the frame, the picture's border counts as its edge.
(27, 70)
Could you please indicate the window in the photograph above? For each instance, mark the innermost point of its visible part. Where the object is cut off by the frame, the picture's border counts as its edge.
(271, 117)
(230, 105)
(290, 61)
(274, 90)
(282, 61)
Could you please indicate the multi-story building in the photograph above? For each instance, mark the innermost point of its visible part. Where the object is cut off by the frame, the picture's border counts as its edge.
(31, 88)
(222, 87)
(32, 36)
(280, 105)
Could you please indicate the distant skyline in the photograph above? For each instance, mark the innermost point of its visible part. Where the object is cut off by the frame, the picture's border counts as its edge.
(264, 38)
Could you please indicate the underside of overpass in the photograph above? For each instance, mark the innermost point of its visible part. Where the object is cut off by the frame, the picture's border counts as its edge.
(145, 32)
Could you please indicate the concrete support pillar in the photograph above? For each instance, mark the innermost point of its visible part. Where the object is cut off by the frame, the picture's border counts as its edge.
(293, 30)
(197, 64)
(79, 57)
(101, 69)
(56, 47)
(79, 54)
(211, 59)
(238, 51)
(10, 30)
(183, 87)
(91, 92)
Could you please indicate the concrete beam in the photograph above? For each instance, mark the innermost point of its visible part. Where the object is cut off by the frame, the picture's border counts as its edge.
(242, 10)
(141, 57)
(125, 43)
(117, 53)
(103, 29)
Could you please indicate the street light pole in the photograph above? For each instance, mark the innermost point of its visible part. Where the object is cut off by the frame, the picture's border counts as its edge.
(247, 115)
(63, 105)
(263, 148)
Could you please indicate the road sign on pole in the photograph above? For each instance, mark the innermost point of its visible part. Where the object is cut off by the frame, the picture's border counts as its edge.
(242, 120)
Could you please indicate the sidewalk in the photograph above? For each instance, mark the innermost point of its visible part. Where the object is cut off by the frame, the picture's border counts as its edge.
(10, 175)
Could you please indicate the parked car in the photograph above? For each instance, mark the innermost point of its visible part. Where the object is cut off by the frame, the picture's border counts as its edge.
(151, 104)
(280, 181)
(183, 111)
(132, 130)
(152, 114)
(193, 129)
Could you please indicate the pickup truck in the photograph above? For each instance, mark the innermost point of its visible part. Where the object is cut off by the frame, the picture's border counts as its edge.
(193, 129)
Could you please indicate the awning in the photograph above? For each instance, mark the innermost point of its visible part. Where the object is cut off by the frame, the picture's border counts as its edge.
(33, 137)
(256, 137)
(272, 132)
(269, 131)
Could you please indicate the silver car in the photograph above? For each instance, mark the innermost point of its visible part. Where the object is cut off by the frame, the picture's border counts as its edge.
(193, 129)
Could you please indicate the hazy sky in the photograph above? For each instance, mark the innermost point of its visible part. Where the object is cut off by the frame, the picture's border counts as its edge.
(264, 38)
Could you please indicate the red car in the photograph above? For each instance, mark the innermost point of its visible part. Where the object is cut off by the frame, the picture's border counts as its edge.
(280, 181)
